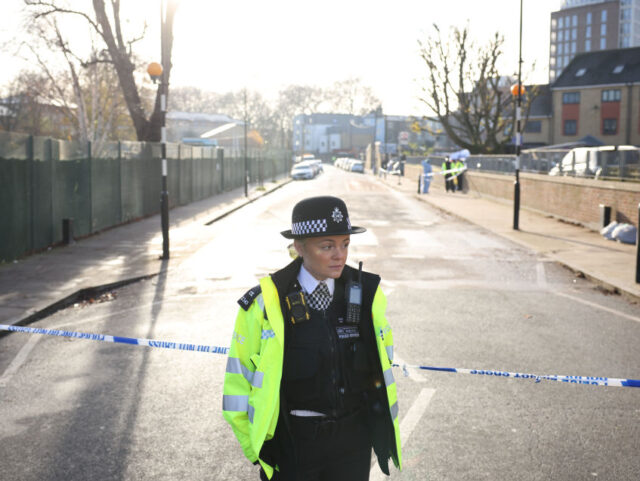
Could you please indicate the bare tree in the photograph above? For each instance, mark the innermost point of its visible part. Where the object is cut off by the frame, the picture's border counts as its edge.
(466, 92)
(25, 103)
(351, 97)
(107, 24)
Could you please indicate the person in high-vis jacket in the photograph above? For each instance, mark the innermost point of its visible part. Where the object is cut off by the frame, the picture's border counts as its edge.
(309, 388)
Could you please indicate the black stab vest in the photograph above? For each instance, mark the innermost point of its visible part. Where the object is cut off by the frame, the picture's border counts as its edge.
(326, 366)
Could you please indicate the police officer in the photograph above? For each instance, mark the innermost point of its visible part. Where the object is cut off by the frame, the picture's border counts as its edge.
(309, 388)
(448, 176)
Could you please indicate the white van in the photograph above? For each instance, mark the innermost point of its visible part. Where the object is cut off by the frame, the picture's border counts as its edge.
(605, 161)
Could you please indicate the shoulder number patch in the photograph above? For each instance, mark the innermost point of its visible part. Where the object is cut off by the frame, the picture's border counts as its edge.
(248, 298)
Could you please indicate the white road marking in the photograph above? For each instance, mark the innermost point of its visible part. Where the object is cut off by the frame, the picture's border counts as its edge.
(407, 256)
(541, 276)
(19, 360)
(598, 306)
(407, 426)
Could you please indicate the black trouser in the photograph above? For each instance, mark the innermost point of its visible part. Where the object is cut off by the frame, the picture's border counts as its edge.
(326, 450)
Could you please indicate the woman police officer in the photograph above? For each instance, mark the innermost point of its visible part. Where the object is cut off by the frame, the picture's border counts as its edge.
(308, 387)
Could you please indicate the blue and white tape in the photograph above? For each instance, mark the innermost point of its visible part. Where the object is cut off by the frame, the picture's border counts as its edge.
(119, 339)
(589, 380)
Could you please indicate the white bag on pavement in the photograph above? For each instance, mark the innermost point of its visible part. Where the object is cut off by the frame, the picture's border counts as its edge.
(625, 233)
(608, 230)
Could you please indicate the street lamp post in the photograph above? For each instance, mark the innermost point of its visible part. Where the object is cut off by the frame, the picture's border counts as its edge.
(517, 91)
(246, 153)
(158, 71)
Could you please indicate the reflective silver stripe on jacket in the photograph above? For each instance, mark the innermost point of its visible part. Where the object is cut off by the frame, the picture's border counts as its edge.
(260, 301)
(235, 403)
(234, 366)
(394, 410)
(390, 353)
(388, 377)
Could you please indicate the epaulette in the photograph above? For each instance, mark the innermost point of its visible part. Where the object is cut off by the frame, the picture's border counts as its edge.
(249, 296)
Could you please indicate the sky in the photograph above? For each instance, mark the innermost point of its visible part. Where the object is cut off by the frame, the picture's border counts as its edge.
(266, 45)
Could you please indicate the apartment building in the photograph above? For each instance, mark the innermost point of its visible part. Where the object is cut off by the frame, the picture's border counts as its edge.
(598, 94)
(589, 26)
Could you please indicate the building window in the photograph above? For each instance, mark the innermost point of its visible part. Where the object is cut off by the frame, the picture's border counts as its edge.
(609, 126)
(533, 126)
(603, 15)
(587, 32)
(553, 49)
(611, 95)
(554, 23)
(571, 98)
(574, 33)
(552, 62)
(625, 28)
(587, 45)
(603, 43)
(560, 36)
(625, 42)
(570, 127)
(625, 14)
(589, 17)
(560, 24)
(603, 30)
(560, 46)
(574, 21)
(573, 48)
(553, 36)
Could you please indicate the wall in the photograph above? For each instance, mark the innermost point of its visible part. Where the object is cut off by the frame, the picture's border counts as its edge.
(572, 199)
(43, 181)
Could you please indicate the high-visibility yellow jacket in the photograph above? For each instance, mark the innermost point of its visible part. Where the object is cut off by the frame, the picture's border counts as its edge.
(251, 395)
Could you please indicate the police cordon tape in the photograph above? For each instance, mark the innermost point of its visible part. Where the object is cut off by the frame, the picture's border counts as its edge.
(588, 380)
(118, 339)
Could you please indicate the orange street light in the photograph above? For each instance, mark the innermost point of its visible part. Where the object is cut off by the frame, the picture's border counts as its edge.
(155, 71)
(514, 90)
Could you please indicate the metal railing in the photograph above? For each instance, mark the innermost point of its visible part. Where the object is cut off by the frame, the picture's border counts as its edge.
(604, 163)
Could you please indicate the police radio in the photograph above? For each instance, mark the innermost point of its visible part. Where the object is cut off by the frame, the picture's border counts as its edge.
(354, 299)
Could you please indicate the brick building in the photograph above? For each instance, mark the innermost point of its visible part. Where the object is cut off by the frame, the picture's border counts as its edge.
(598, 94)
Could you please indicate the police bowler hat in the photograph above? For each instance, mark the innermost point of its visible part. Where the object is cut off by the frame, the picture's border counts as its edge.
(319, 217)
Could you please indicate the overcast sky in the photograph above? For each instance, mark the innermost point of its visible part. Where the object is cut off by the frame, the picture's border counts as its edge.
(267, 44)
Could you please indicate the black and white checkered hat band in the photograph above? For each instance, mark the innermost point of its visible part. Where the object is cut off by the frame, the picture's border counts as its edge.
(309, 227)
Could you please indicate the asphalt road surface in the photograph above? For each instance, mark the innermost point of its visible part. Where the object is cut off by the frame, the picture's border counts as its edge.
(458, 296)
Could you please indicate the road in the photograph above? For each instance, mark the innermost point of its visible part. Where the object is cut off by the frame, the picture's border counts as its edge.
(458, 296)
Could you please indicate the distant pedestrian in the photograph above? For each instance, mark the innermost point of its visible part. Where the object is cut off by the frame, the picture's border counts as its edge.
(448, 176)
(461, 168)
(426, 176)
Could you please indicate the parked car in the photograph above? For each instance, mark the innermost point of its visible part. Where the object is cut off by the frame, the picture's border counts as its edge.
(610, 161)
(303, 170)
(357, 166)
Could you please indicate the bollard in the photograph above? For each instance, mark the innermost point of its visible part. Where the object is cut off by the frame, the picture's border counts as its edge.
(67, 231)
(638, 248)
(419, 182)
(605, 215)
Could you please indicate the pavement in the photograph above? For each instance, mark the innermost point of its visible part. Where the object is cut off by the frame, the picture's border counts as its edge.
(37, 285)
